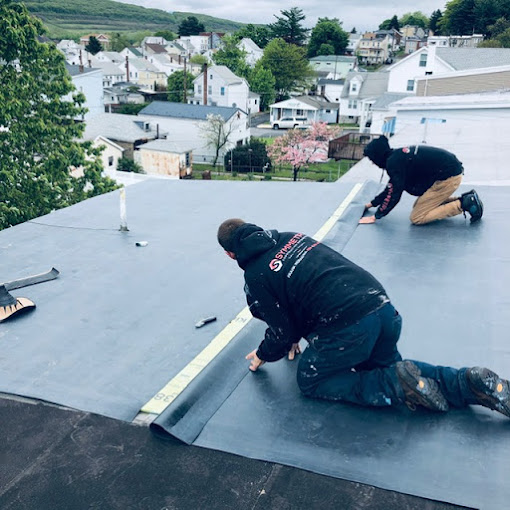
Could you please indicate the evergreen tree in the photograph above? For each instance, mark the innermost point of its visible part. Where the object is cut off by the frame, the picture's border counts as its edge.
(459, 17)
(435, 22)
(190, 26)
(39, 134)
(93, 46)
(289, 27)
(232, 56)
(260, 35)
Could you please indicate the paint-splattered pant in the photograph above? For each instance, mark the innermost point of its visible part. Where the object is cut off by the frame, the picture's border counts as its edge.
(356, 364)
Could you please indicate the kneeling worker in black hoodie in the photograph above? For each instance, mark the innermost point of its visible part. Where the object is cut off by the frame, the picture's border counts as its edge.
(303, 289)
(429, 173)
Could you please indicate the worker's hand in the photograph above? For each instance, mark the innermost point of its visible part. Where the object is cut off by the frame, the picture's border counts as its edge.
(367, 219)
(295, 349)
(255, 361)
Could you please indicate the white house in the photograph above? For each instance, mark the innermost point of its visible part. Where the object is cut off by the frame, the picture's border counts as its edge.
(381, 116)
(360, 92)
(165, 157)
(109, 56)
(432, 61)
(185, 125)
(112, 73)
(330, 89)
(219, 86)
(89, 81)
(314, 108)
(111, 154)
(462, 124)
(334, 66)
(253, 52)
(353, 44)
(167, 64)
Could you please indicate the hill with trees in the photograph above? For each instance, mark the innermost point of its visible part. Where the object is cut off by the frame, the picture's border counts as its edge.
(85, 16)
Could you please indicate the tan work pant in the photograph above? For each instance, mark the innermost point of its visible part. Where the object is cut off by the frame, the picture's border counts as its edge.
(437, 202)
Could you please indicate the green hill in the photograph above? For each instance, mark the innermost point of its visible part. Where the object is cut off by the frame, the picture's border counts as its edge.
(78, 17)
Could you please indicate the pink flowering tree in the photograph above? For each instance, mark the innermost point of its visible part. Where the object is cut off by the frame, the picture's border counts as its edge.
(300, 148)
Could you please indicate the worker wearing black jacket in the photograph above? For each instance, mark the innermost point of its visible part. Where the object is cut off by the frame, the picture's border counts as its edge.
(304, 289)
(429, 173)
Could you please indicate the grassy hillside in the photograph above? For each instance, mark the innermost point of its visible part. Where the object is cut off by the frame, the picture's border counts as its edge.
(63, 17)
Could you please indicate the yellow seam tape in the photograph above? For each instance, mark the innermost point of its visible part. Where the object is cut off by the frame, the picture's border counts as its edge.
(167, 394)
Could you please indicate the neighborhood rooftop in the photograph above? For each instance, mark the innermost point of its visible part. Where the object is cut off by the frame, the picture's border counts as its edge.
(474, 58)
(187, 111)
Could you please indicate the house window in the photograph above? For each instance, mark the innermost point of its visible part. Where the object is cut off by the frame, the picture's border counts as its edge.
(354, 86)
(423, 60)
(210, 76)
(410, 85)
(209, 89)
(187, 159)
(222, 91)
(300, 113)
(110, 160)
(353, 104)
(199, 89)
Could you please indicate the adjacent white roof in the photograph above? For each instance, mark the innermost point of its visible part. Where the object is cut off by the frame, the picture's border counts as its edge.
(166, 146)
(119, 127)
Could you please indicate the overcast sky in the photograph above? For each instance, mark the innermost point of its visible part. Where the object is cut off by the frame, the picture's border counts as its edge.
(362, 14)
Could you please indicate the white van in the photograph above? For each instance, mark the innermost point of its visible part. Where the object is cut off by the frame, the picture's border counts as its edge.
(289, 122)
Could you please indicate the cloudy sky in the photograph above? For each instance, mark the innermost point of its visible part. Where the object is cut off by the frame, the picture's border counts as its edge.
(362, 14)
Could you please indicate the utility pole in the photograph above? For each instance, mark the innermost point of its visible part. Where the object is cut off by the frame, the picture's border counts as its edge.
(185, 94)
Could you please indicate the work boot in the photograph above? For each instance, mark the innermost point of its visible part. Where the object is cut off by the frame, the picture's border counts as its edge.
(490, 390)
(471, 203)
(419, 390)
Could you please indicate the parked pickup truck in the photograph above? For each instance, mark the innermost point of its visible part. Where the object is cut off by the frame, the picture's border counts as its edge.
(290, 123)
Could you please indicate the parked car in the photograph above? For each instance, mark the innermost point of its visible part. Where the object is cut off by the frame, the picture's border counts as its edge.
(289, 122)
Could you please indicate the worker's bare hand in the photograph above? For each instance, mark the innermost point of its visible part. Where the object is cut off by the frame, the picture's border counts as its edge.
(295, 349)
(367, 219)
(255, 361)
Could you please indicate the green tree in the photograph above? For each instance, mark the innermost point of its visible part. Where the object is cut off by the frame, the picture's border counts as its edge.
(435, 22)
(178, 90)
(168, 35)
(262, 82)
(199, 60)
(498, 27)
(251, 157)
(289, 27)
(128, 165)
(190, 26)
(93, 46)
(288, 64)
(327, 34)
(38, 132)
(458, 17)
(232, 56)
(260, 34)
(416, 18)
(388, 24)
(118, 41)
(216, 132)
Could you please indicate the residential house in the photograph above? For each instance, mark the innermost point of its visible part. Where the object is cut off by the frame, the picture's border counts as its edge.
(353, 44)
(219, 86)
(412, 31)
(374, 49)
(127, 131)
(167, 64)
(393, 36)
(145, 74)
(175, 49)
(433, 60)
(455, 41)
(120, 94)
(165, 157)
(467, 81)
(460, 123)
(131, 52)
(314, 108)
(154, 39)
(214, 39)
(194, 44)
(104, 39)
(154, 49)
(112, 73)
(382, 114)
(89, 82)
(253, 52)
(113, 57)
(110, 155)
(253, 103)
(360, 92)
(330, 89)
(186, 125)
(413, 43)
(335, 67)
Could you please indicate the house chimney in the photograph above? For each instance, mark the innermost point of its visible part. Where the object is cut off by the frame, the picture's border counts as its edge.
(127, 68)
(185, 85)
(179, 59)
(81, 63)
(205, 84)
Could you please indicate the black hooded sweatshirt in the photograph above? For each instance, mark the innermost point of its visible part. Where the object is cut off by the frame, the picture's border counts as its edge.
(300, 287)
(413, 169)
